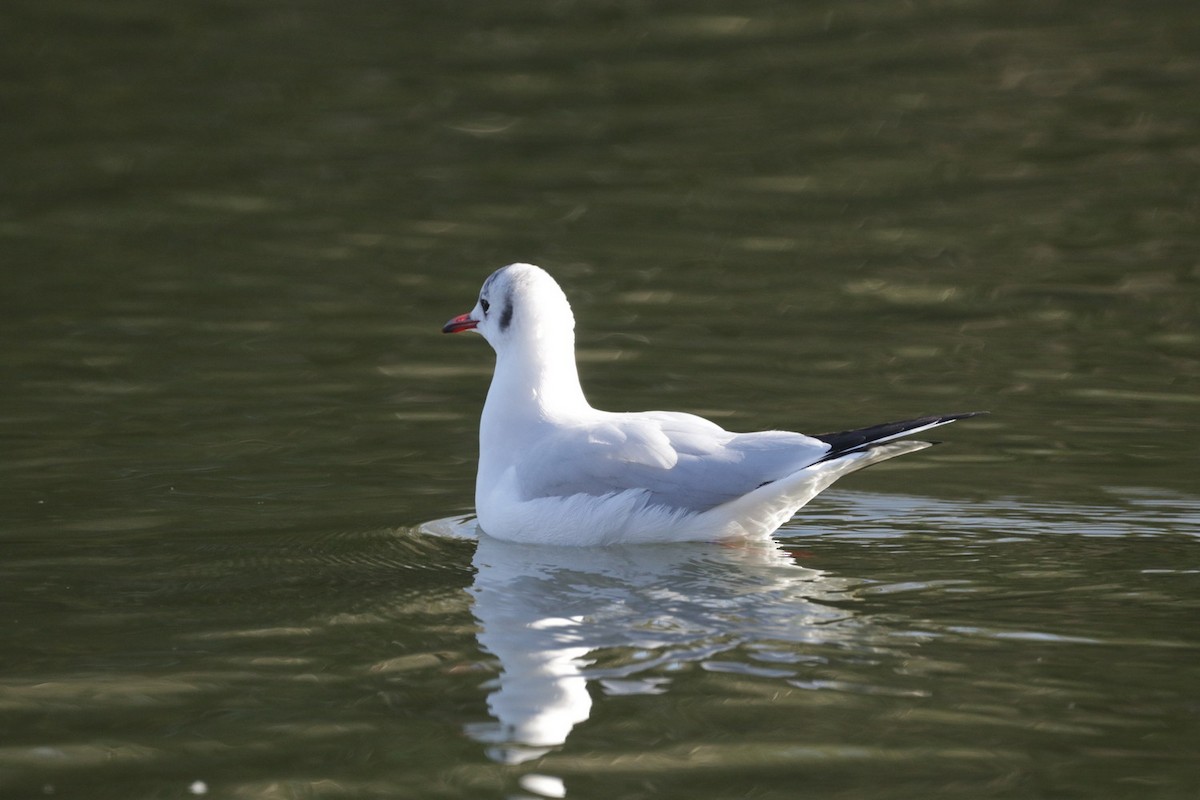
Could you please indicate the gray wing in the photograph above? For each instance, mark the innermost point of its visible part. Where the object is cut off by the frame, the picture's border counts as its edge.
(681, 461)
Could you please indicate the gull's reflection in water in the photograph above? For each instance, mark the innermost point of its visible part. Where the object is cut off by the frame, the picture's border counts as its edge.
(547, 613)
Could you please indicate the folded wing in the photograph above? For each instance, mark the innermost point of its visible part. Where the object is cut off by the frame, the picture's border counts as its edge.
(680, 461)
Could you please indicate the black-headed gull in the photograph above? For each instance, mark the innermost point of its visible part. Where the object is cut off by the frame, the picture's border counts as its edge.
(554, 470)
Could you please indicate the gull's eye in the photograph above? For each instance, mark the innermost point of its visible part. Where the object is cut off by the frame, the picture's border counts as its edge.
(484, 304)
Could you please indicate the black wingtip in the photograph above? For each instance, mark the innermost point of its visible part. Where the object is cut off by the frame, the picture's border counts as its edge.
(844, 442)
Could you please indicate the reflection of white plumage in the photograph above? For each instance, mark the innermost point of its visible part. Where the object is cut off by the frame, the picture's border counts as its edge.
(554, 470)
(645, 612)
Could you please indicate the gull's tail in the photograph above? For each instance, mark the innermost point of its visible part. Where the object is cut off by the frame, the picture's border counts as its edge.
(844, 443)
(772, 504)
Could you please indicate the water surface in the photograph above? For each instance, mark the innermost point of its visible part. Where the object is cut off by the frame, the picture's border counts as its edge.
(230, 233)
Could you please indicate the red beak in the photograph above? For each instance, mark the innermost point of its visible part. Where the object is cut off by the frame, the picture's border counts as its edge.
(462, 322)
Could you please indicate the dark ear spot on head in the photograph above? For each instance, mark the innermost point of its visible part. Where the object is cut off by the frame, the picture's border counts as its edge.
(506, 314)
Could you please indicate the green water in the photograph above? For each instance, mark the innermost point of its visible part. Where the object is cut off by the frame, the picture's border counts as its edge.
(235, 446)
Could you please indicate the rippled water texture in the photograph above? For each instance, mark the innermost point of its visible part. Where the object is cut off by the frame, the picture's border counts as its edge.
(237, 557)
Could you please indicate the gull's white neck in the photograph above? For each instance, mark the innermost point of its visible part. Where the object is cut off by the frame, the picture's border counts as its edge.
(536, 379)
(535, 387)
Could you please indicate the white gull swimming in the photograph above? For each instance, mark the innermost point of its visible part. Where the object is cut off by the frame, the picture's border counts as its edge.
(554, 470)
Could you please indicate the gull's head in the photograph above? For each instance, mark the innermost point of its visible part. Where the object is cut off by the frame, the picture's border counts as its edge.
(519, 305)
